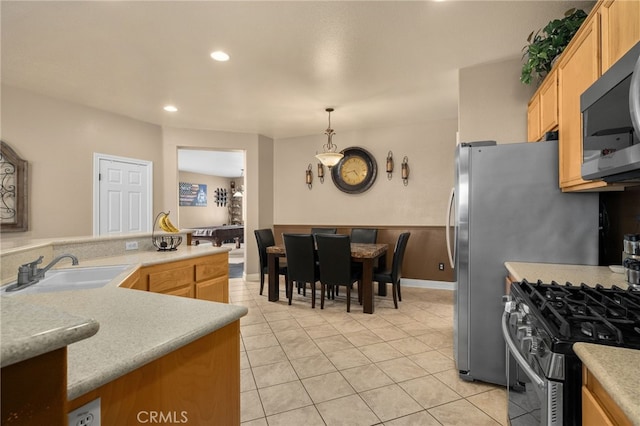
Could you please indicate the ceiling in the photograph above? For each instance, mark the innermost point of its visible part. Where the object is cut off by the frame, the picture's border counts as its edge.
(377, 63)
(229, 164)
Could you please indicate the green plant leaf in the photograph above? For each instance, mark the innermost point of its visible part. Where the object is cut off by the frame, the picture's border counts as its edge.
(547, 43)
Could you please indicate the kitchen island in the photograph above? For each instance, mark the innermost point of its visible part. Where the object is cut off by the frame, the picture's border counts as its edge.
(153, 353)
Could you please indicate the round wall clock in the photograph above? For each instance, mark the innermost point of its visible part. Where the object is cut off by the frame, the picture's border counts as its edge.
(355, 172)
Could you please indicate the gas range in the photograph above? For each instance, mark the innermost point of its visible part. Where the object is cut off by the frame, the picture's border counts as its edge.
(570, 314)
(540, 325)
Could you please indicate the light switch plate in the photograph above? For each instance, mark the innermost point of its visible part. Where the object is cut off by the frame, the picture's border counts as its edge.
(131, 245)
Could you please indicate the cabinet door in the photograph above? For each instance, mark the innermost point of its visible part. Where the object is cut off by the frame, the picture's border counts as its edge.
(186, 291)
(578, 69)
(533, 119)
(549, 103)
(212, 267)
(620, 24)
(165, 281)
(216, 290)
(592, 412)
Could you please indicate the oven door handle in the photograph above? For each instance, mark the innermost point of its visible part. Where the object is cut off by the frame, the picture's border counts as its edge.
(517, 355)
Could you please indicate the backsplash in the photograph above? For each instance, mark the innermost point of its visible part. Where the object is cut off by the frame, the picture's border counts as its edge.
(81, 247)
(620, 214)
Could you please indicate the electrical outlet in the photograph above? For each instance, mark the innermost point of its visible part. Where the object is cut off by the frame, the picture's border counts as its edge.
(87, 415)
(441, 266)
(131, 245)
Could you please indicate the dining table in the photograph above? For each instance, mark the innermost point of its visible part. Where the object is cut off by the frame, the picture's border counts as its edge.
(367, 254)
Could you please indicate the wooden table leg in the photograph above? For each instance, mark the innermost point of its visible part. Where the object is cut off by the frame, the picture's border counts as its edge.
(367, 286)
(274, 291)
(382, 264)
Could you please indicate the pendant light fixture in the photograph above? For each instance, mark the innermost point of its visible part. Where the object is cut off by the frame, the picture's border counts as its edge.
(329, 156)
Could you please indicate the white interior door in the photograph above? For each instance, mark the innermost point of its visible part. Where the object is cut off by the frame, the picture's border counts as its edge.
(124, 195)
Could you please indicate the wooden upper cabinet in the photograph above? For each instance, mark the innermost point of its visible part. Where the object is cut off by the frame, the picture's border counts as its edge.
(620, 27)
(579, 67)
(533, 119)
(542, 113)
(610, 30)
(549, 103)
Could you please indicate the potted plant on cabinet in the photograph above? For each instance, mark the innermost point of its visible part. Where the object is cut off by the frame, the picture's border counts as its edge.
(547, 44)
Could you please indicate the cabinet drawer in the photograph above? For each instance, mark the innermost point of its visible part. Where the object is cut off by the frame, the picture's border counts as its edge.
(168, 280)
(213, 269)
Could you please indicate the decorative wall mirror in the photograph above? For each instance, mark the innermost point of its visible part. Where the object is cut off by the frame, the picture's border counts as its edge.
(13, 191)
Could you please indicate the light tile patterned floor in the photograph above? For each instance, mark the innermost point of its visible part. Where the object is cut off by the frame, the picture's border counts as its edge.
(303, 366)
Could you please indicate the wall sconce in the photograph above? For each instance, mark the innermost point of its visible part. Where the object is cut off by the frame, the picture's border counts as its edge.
(309, 177)
(389, 165)
(405, 170)
(321, 172)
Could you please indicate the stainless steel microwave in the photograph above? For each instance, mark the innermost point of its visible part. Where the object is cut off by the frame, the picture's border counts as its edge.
(611, 122)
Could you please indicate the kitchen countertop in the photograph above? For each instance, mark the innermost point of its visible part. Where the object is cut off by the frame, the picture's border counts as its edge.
(562, 273)
(616, 369)
(610, 365)
(135, 327)
(30, 330)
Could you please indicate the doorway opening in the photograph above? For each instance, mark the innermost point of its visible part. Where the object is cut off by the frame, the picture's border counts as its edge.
(219, 175)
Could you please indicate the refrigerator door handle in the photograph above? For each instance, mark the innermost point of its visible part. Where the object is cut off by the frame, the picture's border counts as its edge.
(450, 251)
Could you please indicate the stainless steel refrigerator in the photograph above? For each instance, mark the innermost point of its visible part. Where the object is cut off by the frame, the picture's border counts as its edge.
(507, 206)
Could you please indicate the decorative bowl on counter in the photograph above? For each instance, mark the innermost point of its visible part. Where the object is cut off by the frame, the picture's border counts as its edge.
(167, 242)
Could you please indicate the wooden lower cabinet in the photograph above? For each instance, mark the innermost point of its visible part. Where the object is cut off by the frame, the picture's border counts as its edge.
(205, 277)
(34, 391)
(215, 290)
(198, 384)
(598, 408)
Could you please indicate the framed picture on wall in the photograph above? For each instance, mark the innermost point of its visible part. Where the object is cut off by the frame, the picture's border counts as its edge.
(193, 194)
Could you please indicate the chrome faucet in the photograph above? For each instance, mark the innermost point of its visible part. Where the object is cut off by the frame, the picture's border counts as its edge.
(40, 272)
(29, 273)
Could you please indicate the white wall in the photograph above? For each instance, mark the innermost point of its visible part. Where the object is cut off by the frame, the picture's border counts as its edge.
(429, 147)
(493, 102)
(58, 140)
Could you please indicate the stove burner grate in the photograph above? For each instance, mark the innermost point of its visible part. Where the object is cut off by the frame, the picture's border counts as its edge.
(583, 313)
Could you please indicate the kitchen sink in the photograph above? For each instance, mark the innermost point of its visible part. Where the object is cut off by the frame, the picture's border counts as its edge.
(66, 279)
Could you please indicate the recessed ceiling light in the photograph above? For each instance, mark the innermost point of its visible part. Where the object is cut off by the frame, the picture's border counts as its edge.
(170, 108)
(219, 55)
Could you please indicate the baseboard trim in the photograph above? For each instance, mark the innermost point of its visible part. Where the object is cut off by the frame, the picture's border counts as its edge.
(435, 285)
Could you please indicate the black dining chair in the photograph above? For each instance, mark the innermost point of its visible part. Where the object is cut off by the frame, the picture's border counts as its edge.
(334, 255)
(364, 235)
(394, 274)
(315, 231)
(324, 230)
(301, 263)
(265, 238)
